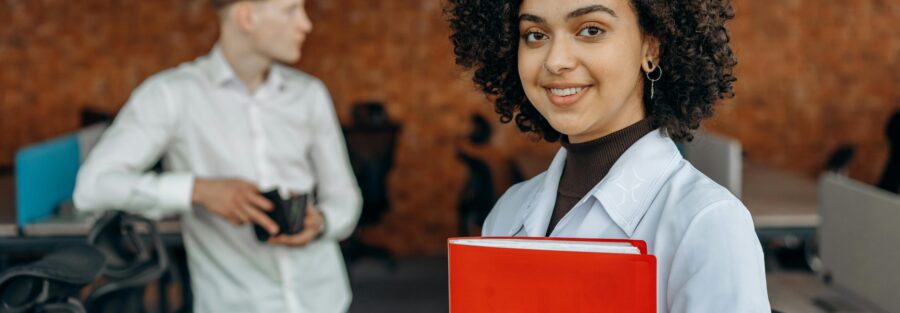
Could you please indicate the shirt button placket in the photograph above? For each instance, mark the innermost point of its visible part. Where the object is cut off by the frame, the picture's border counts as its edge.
(287, 274)
(258, 139)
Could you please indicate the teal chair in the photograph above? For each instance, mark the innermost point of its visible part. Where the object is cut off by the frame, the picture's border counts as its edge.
(46, 172)
(45, 177)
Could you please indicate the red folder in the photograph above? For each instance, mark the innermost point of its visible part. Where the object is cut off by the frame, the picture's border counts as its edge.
(491, 279)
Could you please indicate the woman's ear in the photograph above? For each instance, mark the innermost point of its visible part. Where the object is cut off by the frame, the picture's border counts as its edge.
(650, 56)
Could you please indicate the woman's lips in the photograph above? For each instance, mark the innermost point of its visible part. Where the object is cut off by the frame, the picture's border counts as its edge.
(566, 96)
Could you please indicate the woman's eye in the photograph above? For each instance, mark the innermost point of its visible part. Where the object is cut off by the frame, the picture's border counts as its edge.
(591, 31)
(534, 36)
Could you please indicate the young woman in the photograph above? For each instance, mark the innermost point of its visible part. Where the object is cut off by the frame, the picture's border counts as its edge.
(617, 82)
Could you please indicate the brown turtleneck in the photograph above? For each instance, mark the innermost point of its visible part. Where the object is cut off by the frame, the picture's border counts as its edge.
(588, 162)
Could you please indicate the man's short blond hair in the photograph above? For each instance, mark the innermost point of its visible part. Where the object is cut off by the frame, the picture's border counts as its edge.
(221, 4)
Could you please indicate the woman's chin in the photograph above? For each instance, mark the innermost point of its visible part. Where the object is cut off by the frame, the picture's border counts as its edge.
(568, 123)
(569, 130)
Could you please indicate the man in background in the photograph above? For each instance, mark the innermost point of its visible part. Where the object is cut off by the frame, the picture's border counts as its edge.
(228, 125)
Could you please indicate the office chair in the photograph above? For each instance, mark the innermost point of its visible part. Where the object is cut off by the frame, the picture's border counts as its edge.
(46, 172)
(90, 115)
(478, 196)
(52, 283)
(839, 160)
(93, 117)
(890, 177)
(133, 260)
(371, 141)
(45, 177)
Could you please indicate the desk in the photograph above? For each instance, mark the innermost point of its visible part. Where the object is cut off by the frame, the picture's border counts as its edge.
(779, 200)
(71, 229)
(784, 210)
(8, 229)
(80, 225)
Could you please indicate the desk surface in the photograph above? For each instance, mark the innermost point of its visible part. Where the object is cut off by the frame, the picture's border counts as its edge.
(80, 225)
(779, 199)
(8, 229)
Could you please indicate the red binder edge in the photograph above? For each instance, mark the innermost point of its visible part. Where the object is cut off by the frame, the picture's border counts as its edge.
(640, 244)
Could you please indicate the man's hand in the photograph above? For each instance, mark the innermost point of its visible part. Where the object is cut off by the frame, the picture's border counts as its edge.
(313, 224)
(235, 200)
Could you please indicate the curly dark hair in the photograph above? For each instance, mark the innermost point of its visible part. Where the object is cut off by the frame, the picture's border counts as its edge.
(694, 51)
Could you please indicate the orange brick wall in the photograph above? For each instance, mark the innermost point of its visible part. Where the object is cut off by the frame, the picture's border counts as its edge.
(812, 75)
(398, 52)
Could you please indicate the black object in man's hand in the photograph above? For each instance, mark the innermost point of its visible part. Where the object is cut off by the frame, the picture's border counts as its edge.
(287, 213)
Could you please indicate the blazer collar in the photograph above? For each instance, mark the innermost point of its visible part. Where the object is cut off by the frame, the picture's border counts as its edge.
(626, 192)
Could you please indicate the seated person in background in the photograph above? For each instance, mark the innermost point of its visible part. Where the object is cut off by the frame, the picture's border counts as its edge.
(618, 81)
(890, 178)
(228, 125)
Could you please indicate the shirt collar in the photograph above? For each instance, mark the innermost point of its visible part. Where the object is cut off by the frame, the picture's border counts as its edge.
(218, 69)
(634, 181)
(221, 73)
(625, 192)
(536, 216)
(275, 77)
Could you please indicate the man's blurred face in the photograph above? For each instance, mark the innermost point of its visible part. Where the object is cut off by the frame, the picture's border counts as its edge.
(280, 27)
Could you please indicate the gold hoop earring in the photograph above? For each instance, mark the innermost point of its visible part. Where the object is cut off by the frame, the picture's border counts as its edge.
(653, 80)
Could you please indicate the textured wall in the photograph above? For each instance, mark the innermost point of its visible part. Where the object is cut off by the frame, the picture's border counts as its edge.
(398, 52)
(57, 56)
(812, 75)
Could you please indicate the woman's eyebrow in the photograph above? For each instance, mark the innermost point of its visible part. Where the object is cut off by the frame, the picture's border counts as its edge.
(579, 12)
(591, 9)
(531, 18)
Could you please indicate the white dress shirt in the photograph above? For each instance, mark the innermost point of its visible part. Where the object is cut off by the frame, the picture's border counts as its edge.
(709, 259)
(204, 123)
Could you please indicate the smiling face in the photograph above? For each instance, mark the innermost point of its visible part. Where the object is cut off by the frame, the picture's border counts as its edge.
(580, 63)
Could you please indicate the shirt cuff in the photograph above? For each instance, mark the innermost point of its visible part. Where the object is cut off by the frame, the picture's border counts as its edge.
(324, 226)
(175, 191)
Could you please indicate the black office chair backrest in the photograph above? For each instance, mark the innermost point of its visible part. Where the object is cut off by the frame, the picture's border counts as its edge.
(839, 160)
(52, 283)
(481, 130)
(135, 256)
(890, 177)
(477, 197)
(371, 141)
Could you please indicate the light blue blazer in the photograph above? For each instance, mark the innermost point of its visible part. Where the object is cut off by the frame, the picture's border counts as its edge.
(709, 258)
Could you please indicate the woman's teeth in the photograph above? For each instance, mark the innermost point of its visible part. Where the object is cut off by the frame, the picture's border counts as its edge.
(564, 92)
